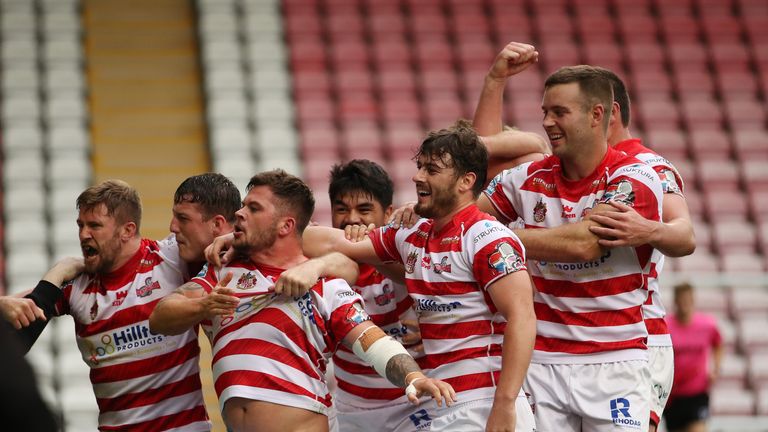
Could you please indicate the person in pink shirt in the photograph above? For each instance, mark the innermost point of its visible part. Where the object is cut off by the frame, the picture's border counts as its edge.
(695, 338)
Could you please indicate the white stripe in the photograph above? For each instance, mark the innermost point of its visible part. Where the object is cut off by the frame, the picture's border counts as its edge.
(203, 426)
(442, 346)
(597, 334)
(256, 363)
(592, 304)
(664, 340)
(466, 367)
(545, 357)
(371, 382)
(272, 396)
(147, 382)
(164, 407)
(265, 332)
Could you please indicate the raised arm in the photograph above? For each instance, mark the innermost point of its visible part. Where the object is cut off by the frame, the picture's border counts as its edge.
(319, 241)
(298, 280)
(623, 226)
(514, 58)
(513, 297)
(190, 304)
(511, 147)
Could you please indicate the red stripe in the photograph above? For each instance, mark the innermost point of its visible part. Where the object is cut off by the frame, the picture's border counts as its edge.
(654, 418)
(432, 361)
(186, 385)
(135, 315)
(473, 381)
(369, 393)
(263, 348)
(393, 316)
(656, 326)
(353, 368)
(585, 347)
(141, 368)
(170, 421)
(608, 318)
(266, 381)
(278, 319)
(461, 330)
(592, 289)
(442, 288)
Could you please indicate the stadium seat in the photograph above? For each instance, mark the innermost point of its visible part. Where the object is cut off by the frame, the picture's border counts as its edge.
(733, 371)
(669, 143)
(710, 145)
(742, 263)
(716, 174)
(752, 335)
(750, 144)
(702, 114)
(722, 205)
(762, 398)
(734, 237)
(730, 401)
(700, 262)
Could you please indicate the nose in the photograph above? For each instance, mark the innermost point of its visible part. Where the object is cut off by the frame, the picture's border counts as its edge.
(418, 177)
(174, 228)
(240, 214)
(352, 218)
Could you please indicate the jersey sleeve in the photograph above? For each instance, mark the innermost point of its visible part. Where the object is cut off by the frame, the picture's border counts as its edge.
(207, 278)
(169, 251)
(495, 251)
(344, 307)
(384, 240)
(503, 193)
(638, 186)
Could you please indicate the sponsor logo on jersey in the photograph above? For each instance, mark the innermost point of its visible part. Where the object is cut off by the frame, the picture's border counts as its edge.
(252, 305)
(620, 414)
(386, 296)
(203, 271)
(669, 182)
(489, 229)
(147, 288)
(426, 262)
(540, 184)
(433, 306)
(133, 337)
(540, 211)
(246, 281)
(443, 266)
(410, 262)
(450, 240)
(568, 212)
(421, 419)
(621, 192)
(121, 295)
(504, 259)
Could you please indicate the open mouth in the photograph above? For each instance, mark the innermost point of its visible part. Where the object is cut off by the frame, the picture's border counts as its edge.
(555, 137)
(89, 251)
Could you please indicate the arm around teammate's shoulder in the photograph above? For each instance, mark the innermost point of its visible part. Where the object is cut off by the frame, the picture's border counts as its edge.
(189, 305)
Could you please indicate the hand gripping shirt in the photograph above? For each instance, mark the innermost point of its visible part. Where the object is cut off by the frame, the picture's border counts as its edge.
(671, 182)
(386, 302)
(448, 273)
(275, 348)
(142, 381)
(588, 312)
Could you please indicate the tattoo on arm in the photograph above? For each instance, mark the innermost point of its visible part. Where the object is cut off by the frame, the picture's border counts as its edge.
(189, 286)
(398, 367)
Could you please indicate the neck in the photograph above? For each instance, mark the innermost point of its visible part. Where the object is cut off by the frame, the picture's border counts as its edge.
(126, 253)
(619, 135)
(684, 318)
(439, 223)
(584, 163)
(285, 253)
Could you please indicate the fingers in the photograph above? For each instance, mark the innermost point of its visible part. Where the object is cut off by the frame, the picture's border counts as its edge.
(226, 279)
(212, 256)
(620, 205)
(228, 256)
(357, 232)
(604, 233)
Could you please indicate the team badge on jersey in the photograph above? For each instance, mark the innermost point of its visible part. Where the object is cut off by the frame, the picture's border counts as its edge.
(621, 192)
(149, 286)
(246, 281)
(410, 262)
(386, 296)
(120, 297)
(505, 259)
(94, 310)
(540, 211)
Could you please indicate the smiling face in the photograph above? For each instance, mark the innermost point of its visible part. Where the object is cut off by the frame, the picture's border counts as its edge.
(193, 231)
(567, 121)
(436, 186)
(358, 207)
(257, 222)
(99, 239)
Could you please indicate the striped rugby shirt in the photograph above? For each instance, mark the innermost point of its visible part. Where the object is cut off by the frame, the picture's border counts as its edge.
(275, 348)
(142, 381)
(671, 182)
(587, 312)
(447, 275)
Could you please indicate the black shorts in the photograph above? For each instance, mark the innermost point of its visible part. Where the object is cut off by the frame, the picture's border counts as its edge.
(684, 410)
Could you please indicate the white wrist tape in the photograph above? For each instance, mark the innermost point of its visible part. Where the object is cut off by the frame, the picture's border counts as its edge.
(375, 348)
(411, 389)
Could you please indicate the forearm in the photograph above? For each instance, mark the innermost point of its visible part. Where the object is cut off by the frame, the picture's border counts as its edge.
(513, 144)
(318, 241)
(338, 265)
(566, 243)
(674, 238)
(45, 295)
(487, 120)
(519, 338)
(401, 366)
(176, 314)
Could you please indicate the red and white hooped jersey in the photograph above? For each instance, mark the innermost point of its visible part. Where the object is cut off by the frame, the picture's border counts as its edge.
(386, 302)
(275, 348)
(142, 381)
(671, 182)
(447, 275)
(588, 312)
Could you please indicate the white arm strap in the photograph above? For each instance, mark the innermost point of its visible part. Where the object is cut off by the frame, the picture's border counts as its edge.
(375, 348)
